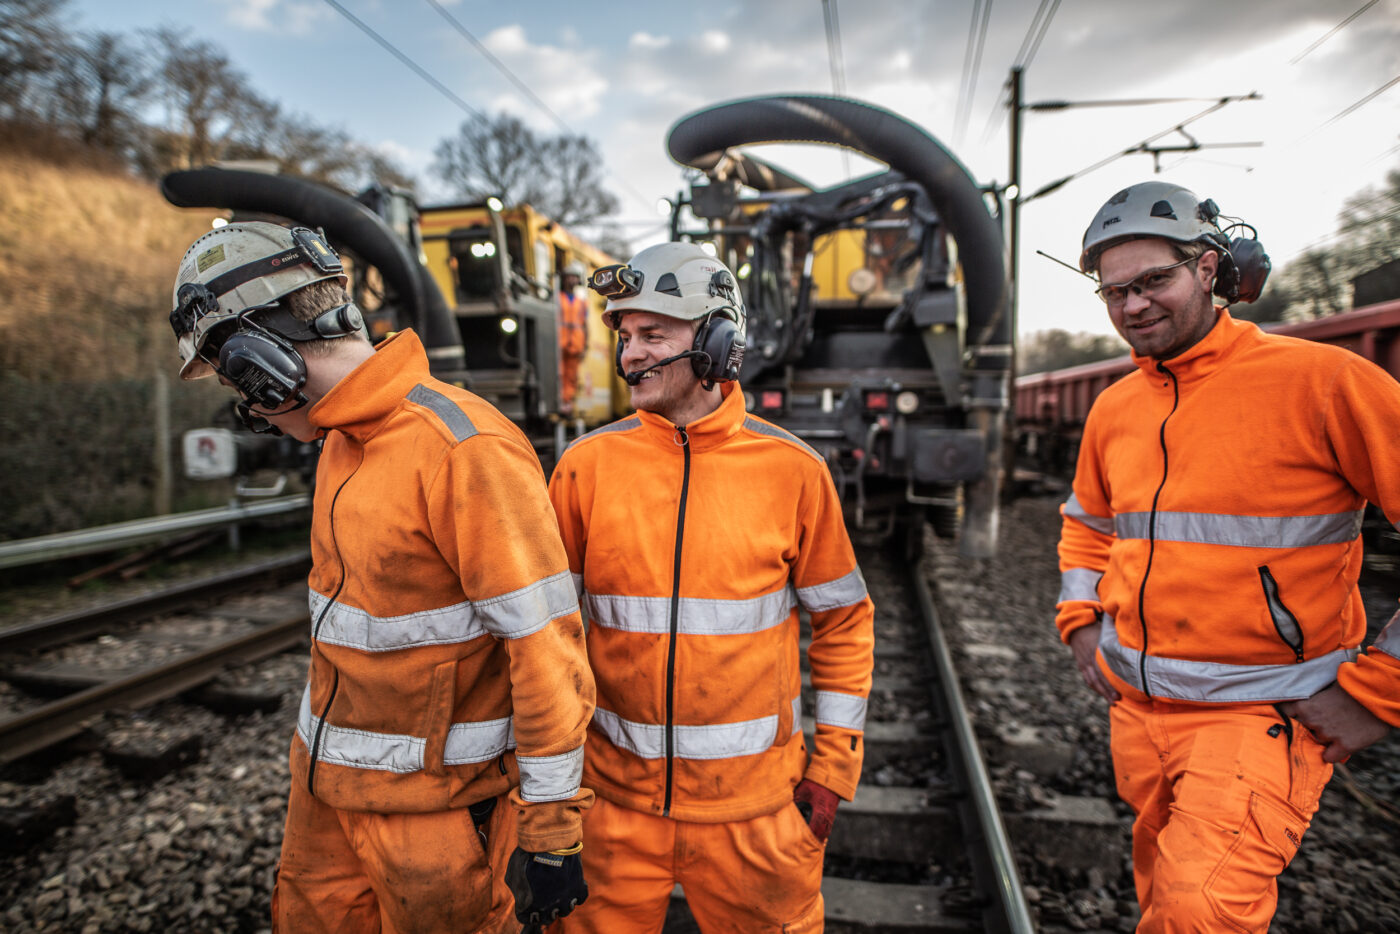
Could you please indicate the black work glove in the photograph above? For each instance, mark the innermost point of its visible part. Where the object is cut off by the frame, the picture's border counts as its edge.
(546, 886)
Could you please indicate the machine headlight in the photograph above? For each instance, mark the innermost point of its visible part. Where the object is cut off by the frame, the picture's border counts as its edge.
(906, 403)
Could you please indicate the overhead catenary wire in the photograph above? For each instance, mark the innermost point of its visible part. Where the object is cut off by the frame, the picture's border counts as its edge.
(1035, 34)
(972, 66)
(838, 64)
(1136, 148)
(1349, 109)
(1331, 32)
(525, 89)
(833, 47)
(500, 65)
(401, 56)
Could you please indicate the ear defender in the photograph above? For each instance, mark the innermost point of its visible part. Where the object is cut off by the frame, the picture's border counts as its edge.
(722, 345)
(265, 369)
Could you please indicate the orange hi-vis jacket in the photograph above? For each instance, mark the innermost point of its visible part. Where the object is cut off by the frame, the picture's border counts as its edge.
(1215, 522)
(573, 324)
(447, 654)
(694, 546)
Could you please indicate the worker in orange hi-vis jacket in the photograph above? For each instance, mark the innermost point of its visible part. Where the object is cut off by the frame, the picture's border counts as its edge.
(573, 333)
(1210, 553)
(695, 531)
(437, 759)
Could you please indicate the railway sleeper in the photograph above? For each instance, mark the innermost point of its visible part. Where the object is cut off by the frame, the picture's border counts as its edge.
(857, 907)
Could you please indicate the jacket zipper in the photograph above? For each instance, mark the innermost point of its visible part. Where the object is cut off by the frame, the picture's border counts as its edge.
(1285, 622)
(316, 631)
(1152, 527)
(684, 442)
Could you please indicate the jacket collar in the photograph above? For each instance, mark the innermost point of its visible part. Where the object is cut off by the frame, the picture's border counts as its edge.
(709, 431)
(360, 403)
(1207, 355)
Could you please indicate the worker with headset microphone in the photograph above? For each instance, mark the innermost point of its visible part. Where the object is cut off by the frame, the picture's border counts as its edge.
(1210, 553)
(694, 531)
(440, 735)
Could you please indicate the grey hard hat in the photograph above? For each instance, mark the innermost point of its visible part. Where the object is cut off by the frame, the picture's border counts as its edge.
(1152, 209)
(678, 280)
(242, 266)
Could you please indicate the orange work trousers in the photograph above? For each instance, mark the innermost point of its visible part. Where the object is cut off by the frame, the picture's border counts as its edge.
(354, 871)
(1223, 795)
(762, 874)
(568, 379)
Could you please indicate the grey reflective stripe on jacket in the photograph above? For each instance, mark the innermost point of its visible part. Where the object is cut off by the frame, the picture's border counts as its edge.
(1217, 682)
(1205, 528)
(466, 743)
(550, 778)
(844, 591)
(508, 616)
(706, 741)
(844, 710)
(1101, 524)
(1079, 584)
(698, 615)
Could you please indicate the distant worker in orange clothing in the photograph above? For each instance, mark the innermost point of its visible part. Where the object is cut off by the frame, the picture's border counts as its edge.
(573, 333)
(1210, 553)
(437, 757)
(695, 531)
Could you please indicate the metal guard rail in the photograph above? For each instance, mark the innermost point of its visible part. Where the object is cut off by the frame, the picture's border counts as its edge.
(139, 531)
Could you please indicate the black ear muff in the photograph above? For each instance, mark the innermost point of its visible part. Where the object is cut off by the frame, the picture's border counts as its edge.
(1252, 267)
(265, 369)
(722, 344)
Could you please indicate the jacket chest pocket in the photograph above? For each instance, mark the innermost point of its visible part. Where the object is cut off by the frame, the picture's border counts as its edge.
(1285, 623)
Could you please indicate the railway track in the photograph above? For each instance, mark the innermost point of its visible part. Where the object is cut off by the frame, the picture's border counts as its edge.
(921, 849)
(159, 659)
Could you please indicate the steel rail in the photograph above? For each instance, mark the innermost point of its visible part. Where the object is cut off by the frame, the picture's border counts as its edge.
(67, 627)
(1000, 863)
(139, 531)
(52, 723)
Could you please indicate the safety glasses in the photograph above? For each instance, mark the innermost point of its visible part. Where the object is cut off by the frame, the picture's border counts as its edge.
(1147, 284)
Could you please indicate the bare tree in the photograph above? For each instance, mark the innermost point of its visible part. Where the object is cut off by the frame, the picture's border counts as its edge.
(32, 42)
(576, 188)
(562, 176)
(106, 89)
(211, 107)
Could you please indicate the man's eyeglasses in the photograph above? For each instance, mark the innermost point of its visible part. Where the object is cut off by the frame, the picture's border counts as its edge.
(1147, 284)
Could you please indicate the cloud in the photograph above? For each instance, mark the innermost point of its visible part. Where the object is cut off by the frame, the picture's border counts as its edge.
(643, 40)
(284, 17)
(564, 76)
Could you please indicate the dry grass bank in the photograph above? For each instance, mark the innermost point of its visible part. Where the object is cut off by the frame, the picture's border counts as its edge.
(87, 256)
(88, 253)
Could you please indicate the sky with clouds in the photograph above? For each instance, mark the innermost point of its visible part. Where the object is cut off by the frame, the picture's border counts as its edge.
(623, 72)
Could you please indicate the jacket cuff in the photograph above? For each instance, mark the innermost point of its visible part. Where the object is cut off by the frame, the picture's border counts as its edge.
(1076, 614)
(550, 825)
(1373, 681)
(833, 777)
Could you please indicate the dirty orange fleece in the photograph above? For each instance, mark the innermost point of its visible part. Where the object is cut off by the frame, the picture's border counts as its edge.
(694, 548)
(1215, 522)
(447, 657)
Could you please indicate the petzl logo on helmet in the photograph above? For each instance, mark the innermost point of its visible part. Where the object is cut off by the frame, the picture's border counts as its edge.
(1111, 220)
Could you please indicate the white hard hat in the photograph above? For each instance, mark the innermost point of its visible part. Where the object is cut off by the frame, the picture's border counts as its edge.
(575, 269)
(237, 267)
(678, 280)
(1152, 209)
